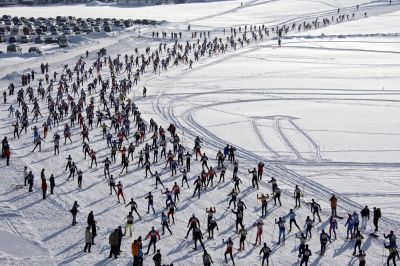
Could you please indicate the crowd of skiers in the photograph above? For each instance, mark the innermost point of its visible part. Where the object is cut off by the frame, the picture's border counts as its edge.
(80, 97)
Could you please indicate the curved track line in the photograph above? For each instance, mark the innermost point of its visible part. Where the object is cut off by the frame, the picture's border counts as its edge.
(309, 138)
(286, 140)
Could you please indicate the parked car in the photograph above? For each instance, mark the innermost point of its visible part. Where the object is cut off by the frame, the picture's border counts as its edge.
(25, 39)
(63, 41)
(39, 39)
(49, 40)
(12, 39)
(34, 49)
(14, 48)
(77, 30)
(67, 31)
(107, 28)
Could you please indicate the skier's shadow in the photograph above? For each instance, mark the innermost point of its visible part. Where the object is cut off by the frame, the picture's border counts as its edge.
(56, 233)
(179, 248)
(323, 226)
(188, 202)
(344, 248)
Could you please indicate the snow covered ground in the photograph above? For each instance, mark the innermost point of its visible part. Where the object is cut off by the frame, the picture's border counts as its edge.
(321, 112)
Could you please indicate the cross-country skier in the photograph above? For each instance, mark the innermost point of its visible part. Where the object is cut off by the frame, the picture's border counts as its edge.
(212, 224)
(259, 226)
(393, 253)
(315, 208)
(324, 238)
(239, 219)
(266, 252)
(306, 256)
(292, 219)
(197, 187)
(302, 240)
(184, 177)
(129, 223)
(333, 225)
(282, 229)
(264, 204)
(359, 239)
(192, 223)
(308, 225)
(392, 239)
(134, 207)
(198, 236)
(242, 233)
(153, 235)
(150, 202)
(207, 260)
(120, 191)
(229, 250)
(349, 224)
(233, 195)
(164, 223)
(111, 183)
(254, 179)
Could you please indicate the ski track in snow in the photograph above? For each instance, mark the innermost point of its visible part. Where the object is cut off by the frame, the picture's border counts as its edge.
(309, 138)
(286, 140)
(260, 137)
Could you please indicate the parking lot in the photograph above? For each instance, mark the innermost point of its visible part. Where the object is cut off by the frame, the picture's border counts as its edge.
(56, 31)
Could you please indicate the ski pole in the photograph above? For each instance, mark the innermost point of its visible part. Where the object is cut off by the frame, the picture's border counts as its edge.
(220, 258)
(273, 233)
(251, 235)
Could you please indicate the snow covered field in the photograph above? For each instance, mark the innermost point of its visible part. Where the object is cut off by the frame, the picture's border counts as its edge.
(322, 112)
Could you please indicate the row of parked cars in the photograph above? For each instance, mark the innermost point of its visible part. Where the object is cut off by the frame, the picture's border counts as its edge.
(16, 30)
(10, 27)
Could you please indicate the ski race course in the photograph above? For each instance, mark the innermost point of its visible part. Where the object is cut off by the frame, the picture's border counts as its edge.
(321, 112)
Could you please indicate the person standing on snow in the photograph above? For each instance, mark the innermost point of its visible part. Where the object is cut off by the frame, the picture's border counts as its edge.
(44, 187)
(306, 256)
(377, 216)
(266, 251)
(364, 217)
(74, 211)
(157, 258)
(164, 223)
(134, 207)
(229, 250)
(153, 235)
(207, 260)
(120, 192)
(88, 240)
(324, 238)
(150, 203)
(113, 241)
(333, 201)
(52, 184)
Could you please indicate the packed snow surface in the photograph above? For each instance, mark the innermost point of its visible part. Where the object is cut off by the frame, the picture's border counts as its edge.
(321, 112)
